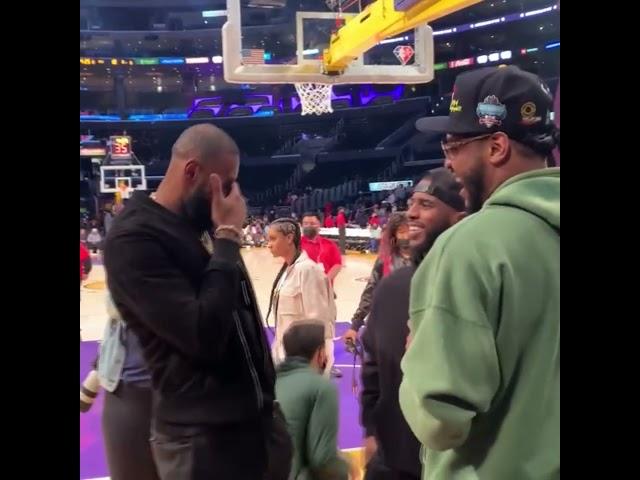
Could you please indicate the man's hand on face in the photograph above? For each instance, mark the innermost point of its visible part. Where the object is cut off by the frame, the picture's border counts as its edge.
(227, 210)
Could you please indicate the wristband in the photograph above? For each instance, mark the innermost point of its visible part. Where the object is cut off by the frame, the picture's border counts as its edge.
(233, 230)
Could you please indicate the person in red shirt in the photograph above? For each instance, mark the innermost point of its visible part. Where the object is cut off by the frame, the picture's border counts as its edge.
(328, 208)
(341, 223)
(320, 249)
(374, 221)
(328, 221)
(85, 262)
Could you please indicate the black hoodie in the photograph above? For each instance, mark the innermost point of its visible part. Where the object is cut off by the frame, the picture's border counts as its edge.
(384, 341)
(195, 315)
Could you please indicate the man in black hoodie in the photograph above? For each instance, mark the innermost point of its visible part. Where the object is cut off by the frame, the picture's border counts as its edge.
(436, 204)
(196, 315)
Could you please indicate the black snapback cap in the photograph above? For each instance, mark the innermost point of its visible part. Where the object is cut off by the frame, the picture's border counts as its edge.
(444, 186)
(495, 99)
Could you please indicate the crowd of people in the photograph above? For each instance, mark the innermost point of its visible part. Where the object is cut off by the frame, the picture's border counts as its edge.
(94, 230)
(459, 321)
(373, 218)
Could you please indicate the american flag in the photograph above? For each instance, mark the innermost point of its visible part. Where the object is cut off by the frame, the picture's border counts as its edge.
(253, 56)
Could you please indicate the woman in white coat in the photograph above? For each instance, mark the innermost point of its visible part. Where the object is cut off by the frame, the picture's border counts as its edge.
(301, 290)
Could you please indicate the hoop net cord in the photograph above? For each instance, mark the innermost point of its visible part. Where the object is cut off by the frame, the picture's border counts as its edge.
(315, 98)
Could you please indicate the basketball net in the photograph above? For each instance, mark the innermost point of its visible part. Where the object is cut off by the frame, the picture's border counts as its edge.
(315, 98)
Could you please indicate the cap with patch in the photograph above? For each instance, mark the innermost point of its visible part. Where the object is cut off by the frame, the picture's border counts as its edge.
(444, 186)
(495, 99)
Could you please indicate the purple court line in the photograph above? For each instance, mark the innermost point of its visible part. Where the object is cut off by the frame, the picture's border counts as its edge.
(92, 459)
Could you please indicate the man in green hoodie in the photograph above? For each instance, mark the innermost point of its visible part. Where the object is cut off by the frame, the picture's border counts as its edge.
(481, 385)
(309, 402)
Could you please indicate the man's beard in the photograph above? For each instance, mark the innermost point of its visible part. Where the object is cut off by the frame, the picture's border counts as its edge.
(420, 251)
(474, 185)
(197, 210)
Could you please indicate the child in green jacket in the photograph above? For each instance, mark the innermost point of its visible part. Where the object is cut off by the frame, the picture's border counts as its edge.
(309, 402)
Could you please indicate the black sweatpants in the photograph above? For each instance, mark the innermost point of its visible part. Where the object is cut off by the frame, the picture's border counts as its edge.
(126, 423)
(231, 452)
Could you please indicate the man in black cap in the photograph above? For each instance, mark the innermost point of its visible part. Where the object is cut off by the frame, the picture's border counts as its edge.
(436, 204)
(501, 107)
(481, 384)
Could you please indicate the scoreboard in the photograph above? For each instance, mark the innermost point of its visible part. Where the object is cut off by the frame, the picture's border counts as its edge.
(385, 186)
(120, 147)
(121, 167)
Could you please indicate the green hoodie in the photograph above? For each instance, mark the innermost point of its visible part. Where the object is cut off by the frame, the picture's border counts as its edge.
(481, 386)
(309, 402)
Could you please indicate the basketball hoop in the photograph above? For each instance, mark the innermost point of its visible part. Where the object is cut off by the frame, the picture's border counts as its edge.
(315, 98)
(314, 77)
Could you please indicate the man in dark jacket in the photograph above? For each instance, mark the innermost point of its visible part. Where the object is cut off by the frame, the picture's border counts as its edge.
(436, 204)
(196, 315)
